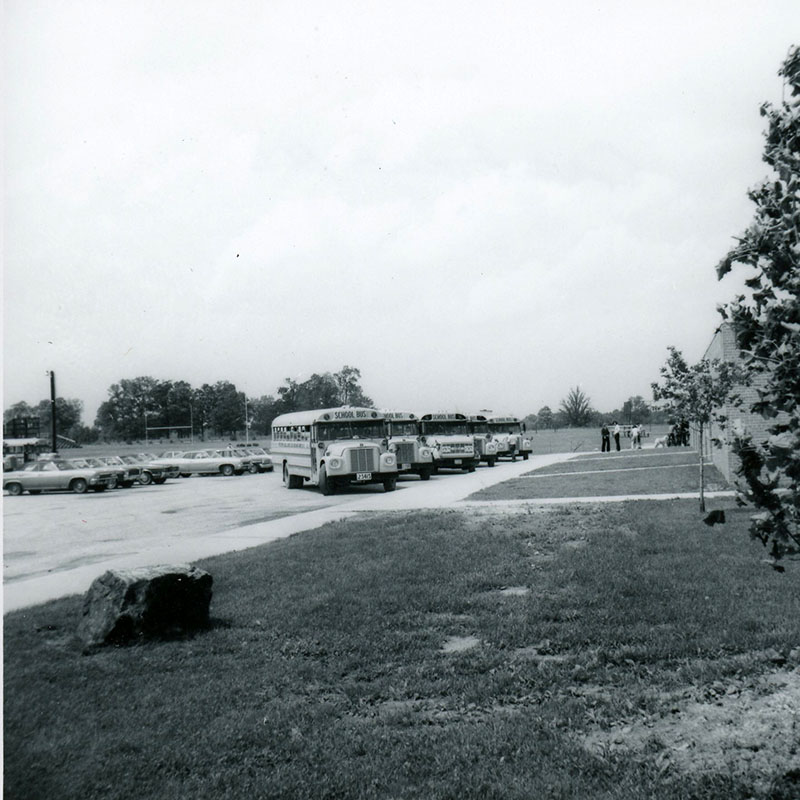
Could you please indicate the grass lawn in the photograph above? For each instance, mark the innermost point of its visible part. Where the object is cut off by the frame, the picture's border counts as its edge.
(581, 440)
(426, 655)
(625, 473)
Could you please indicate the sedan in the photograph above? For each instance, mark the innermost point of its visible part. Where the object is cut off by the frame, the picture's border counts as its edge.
(207, 462)
(56, 475)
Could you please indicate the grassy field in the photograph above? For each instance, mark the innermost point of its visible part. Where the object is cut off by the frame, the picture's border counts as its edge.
(555, 654)
(630, 472)
(582, 440)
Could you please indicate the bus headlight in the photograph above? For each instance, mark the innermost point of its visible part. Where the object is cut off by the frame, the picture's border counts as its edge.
(335, 463)
(390, 460)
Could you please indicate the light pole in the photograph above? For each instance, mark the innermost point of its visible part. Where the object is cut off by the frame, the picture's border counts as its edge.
(53, 409)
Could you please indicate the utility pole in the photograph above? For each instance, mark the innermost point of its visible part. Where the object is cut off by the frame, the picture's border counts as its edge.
(53, 410)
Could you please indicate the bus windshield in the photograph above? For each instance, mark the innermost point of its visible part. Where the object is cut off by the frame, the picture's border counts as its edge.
(505, 427)
(445, 427)
(479, 427)
(408, 428)
(351, 429)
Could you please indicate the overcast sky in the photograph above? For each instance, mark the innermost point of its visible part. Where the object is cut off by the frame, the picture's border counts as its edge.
(479, 205)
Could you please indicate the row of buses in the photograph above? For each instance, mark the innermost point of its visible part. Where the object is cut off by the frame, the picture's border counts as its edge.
(334, 447)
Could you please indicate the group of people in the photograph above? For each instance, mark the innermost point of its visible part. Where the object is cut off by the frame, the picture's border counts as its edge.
(606, 434)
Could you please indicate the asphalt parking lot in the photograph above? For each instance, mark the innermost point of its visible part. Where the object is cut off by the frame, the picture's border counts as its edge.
(56, 544)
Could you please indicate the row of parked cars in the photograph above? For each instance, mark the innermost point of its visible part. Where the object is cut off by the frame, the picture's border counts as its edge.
(98, 473)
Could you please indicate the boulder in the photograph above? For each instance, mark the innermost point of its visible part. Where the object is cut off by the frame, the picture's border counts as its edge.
(150, 602)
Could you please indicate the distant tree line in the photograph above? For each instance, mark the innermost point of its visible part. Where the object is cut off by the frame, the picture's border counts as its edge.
(576, 411)
(146, 407)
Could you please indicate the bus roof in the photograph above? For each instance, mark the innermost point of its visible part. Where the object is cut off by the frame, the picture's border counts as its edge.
(507, 418)
(328, 415)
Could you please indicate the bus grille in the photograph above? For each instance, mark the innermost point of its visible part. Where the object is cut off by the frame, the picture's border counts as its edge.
(405, 453)
(362, 459)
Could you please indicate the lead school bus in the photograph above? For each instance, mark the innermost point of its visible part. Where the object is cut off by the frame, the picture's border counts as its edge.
(333, 447)
(405, 441)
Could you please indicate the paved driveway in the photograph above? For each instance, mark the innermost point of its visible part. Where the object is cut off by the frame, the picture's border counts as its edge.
(57, 544)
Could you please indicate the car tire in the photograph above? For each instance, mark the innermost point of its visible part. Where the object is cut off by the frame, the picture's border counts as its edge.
(113, 483)
(326, 486)
(186, 474)
(79, 486)
(14, 489)
(159, 481)
(227, 470)
(253, 469)
(145, 479)
(98, 488)
(34, 491)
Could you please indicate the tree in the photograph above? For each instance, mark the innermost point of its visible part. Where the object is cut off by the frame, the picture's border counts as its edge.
(130, 402)
(68, 415)
(576, 408)
(227, 412)
(635, 409)
(545, 417)
(695, 393)
(350, 392)
(767, 326)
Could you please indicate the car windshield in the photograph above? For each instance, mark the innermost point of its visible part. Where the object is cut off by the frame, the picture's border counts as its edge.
(349, 430)
(408, 428)
(31, 466)
(129, 459)
(444, 427)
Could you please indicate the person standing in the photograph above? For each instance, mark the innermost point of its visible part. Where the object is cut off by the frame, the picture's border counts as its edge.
(615, 431)
(605, 437)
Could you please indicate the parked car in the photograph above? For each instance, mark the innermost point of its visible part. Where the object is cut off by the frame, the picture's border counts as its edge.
(132, 472)
(207, 462)
(250, 463)
(148, 472)
(117, 473)
(56, 475)
(260, 457)
(170, 468)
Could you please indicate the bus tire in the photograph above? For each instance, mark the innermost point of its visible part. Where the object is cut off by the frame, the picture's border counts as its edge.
(326, 486)
(425, 474)
(390, 484)
(525, 456)
(492, 462)
(471, 468)
(291, 481)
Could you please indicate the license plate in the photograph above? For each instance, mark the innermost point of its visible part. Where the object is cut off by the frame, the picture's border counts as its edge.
(457, 461)
(405, 466)
(363, 476)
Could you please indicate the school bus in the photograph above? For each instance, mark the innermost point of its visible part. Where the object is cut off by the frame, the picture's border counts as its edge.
(509, 433)
(448, 436)
(485, 446)
(333, 447)
(404, 440)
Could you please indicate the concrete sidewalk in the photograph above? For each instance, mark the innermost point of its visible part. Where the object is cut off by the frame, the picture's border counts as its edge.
(441, 492)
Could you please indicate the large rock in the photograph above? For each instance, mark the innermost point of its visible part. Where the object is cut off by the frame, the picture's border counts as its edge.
(150, 602)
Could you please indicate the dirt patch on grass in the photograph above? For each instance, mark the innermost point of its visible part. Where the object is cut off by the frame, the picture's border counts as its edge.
(458, 644)
(744, 731)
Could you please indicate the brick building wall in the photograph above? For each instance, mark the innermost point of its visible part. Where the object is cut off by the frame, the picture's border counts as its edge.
(723, 347)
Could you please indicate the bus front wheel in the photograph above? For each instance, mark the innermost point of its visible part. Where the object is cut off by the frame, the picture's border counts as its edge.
(390, 484)
(326, 486)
